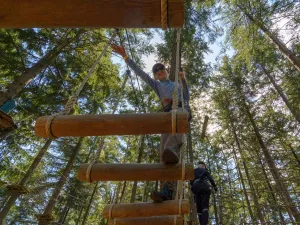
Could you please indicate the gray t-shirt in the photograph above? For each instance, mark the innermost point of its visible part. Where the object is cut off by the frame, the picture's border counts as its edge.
(163, 89)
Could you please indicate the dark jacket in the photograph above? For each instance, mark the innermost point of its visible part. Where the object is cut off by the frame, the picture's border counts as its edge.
(202, 175)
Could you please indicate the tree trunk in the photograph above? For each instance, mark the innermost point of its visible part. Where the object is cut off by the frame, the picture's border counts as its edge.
(79, 217)
(62, 180)
(274, 171)
(243, 185)
(295, 154)
(282, 94)
(254, 196)
(272, 191)
(258, 210)
(139, 160)
(215, 208)
(24, 180)
(89, 205)
(292, 57)
(64, 213)
(123, 193)
(20, 82)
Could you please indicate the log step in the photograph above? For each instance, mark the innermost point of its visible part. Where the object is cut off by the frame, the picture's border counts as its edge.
(146, 209)
(6, 121)
(135, 172)
(108, 124)
(89, 13)
(153, 220)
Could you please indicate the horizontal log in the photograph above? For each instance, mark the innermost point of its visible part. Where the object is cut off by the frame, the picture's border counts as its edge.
(153, 220)
(109, 124)
(136, 172)
(146, 209)
(89, 13)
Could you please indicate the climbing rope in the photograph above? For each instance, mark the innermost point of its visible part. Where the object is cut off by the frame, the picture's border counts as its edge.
(175, 91)
(71, 102)
(164, 14)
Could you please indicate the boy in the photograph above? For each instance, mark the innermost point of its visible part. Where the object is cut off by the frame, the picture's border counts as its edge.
(163, 88)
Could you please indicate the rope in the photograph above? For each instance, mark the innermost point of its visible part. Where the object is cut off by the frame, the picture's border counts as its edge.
(88, 171)
(71, 102)
(164, 14)
(175, 92)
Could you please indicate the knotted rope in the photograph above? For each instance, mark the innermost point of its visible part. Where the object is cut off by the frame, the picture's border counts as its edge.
(164, 14)
(175, 91)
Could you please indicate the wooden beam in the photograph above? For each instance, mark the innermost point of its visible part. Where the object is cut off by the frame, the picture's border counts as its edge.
(136, 172)
(108, 124)
(153, 220)
(205, 123)
(146, 209)
(89, 13)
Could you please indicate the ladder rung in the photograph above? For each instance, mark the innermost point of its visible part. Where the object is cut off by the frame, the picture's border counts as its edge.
(136, 172)
(146, 209)
(153, 220)
(109, 124)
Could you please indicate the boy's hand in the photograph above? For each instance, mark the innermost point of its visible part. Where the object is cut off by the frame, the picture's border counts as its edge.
(182, 75)
(119, 50)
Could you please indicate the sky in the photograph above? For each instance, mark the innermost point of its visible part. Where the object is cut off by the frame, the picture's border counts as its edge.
(150, 60)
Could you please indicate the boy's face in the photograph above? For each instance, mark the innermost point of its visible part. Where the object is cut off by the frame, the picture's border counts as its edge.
(161, 74)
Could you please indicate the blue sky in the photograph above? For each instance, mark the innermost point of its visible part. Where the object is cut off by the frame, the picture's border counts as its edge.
(150, 60)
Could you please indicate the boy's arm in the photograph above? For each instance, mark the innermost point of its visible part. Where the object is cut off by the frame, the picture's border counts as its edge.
(145, 77)
(186, 92)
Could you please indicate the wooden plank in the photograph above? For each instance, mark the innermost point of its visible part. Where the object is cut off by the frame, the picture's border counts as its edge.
(89, 13)
(108, 124)
(153, 220)
(136, 172)
(146, 209)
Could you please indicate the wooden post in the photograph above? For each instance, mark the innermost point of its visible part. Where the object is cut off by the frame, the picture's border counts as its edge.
(108, 124)
(153, 220)
(89, 13)
(146, 209)
(136, 172)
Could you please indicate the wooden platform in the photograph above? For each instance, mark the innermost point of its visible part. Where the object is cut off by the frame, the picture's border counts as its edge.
(146, 209)
(89, 13)
(44, 218)
(6, 121)
(15, 188)
(108, 124)
(153, 220)
(136, 172)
